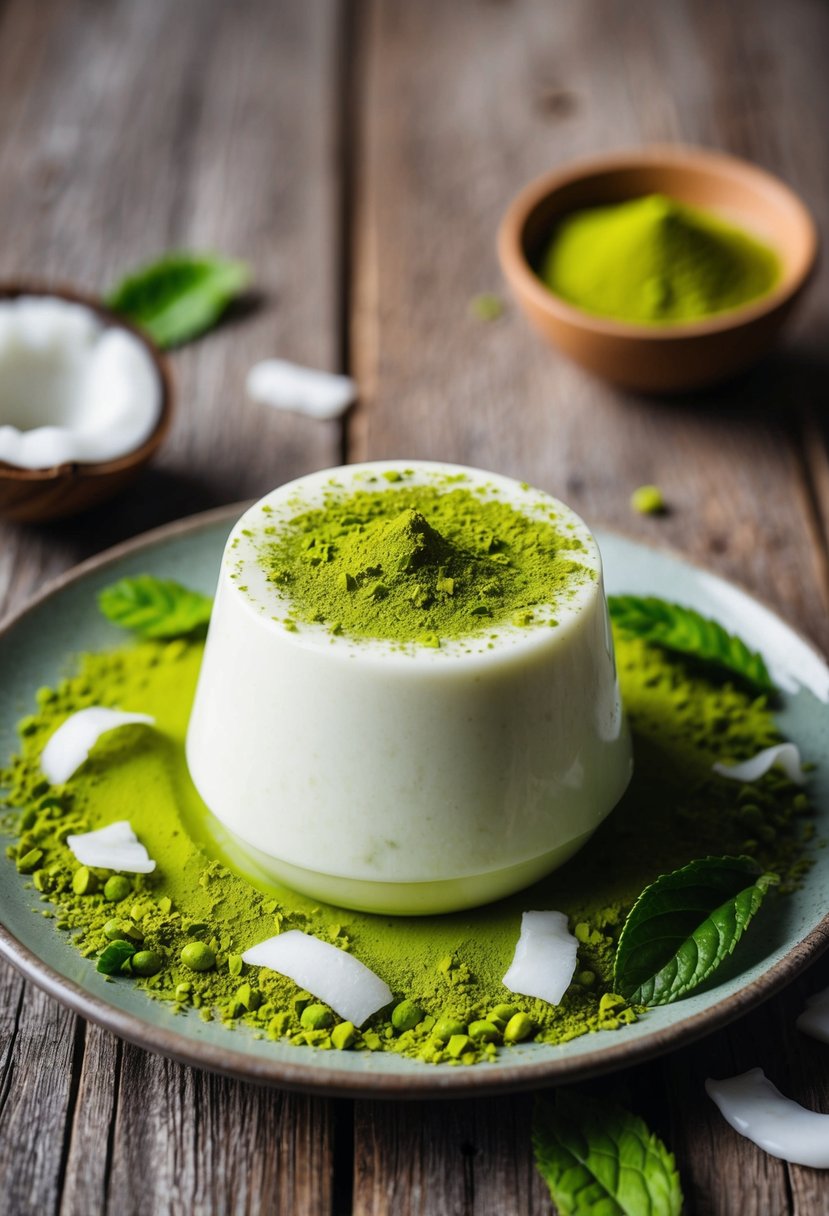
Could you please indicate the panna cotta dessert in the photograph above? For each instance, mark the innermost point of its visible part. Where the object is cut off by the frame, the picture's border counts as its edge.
(408, 701)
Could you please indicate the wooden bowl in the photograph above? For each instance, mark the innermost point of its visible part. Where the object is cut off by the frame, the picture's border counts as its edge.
(36, 495)
(669, 357)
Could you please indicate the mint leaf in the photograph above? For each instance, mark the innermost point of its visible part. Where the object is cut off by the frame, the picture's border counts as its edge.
(600, 1160)
(687, 632)
(684, 925)
(112, 960)
(180, 296)
(155, 607)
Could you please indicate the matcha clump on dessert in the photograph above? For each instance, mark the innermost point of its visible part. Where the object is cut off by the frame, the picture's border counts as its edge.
(421, 564)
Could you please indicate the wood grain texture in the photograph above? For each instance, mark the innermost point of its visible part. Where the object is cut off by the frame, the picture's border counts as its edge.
(215, 1145)
(465, 1158)
(461, 105)
(129, 129)
(41, 1046)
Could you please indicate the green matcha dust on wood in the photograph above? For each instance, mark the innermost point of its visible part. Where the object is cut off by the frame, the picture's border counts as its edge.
(422, 564)
(183, 929)
(656, 260)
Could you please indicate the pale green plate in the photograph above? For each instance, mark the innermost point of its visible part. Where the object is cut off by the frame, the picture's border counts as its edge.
(36, 647)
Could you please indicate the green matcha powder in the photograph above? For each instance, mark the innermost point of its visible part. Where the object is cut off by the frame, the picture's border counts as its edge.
(445, 971)
(655, 260)
(421, 564)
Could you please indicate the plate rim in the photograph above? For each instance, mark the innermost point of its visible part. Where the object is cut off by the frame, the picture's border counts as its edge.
(307, 1077)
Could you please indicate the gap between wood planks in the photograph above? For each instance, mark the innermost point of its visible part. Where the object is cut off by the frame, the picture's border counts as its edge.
(815, 476)
(350, 56)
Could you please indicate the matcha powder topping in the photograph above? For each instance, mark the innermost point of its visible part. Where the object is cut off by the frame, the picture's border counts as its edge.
(422, 564)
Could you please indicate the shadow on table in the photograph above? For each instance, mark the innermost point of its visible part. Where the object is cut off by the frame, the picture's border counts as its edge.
(786, 381)
(158, 498)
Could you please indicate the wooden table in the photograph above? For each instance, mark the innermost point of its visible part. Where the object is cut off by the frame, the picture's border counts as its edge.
(360, 157)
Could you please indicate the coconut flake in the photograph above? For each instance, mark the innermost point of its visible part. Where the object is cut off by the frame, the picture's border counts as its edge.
(72, 742)
(785, 755)
(814, 1020)
(302, 390)
(71, 389)
(757, 1110)
(545, 957)
(337, 978)
(115, 847)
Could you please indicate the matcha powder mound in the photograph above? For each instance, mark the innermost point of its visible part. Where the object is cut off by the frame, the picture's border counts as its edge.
(655, 260)
(421, 564)
(179, 933)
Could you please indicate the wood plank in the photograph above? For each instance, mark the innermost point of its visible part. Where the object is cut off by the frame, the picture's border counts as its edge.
(215, 1145)
(89, 1132)
(451, 1157)
(130, 129)
(461, 105)
(41, 1046)
(801, 40)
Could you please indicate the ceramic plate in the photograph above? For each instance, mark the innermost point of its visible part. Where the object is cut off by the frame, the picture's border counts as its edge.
(34, 649)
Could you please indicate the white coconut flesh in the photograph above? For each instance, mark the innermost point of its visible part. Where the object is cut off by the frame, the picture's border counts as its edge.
(783, 755)
(71, 389)
(115, 847)
(301, 390)
(70, 745)
(335, 977)
(545, 957)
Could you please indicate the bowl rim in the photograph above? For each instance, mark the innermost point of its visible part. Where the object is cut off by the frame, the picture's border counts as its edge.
(524, 280)
(10, 290)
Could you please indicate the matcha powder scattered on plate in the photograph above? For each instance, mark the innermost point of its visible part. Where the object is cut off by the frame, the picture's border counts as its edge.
(184, 928)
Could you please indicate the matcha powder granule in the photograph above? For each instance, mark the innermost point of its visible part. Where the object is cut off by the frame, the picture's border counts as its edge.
(421, 564)
(450, 1004)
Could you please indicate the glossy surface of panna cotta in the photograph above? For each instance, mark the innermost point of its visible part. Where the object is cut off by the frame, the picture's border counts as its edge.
(408, 774)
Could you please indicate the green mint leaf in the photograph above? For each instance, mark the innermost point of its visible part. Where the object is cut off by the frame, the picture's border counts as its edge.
(155, 607)
(598, 1158)
(180, 296)
(687, 632)
(114, 956)
(684, 925)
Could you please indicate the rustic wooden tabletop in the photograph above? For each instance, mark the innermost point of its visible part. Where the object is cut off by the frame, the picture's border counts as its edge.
(360, 157)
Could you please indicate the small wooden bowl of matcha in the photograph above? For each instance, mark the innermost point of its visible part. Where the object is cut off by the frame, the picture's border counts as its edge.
(662, 269)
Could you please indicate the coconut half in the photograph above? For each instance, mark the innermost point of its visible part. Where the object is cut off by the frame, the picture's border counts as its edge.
(72, 390)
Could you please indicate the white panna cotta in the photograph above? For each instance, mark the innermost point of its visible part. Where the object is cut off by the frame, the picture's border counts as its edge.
(398, 775)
